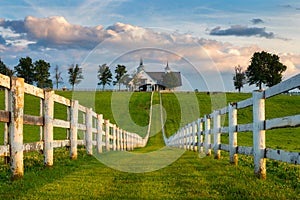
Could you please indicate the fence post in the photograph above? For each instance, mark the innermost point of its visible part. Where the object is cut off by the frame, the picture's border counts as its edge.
(88, 131)
(118, 138)
(207, 136)
(232, 124)
(121, 140)
(114, 138)
(200, 136)
(259, 134)
(217, 134)
(107, 145)
(41, 114)
(5, 137)
(48, 128)
(194, 130)
(73, 129)
(99, 132)
(16, 128)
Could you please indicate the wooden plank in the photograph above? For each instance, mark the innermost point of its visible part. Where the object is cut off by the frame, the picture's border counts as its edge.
(224, 129)
(61, 123)
(289, 121)
(284, 86)
(245, 127)
(73, 129)
(244, 103)
(224, 147)
(33, 120)
(4, 116)
(61, 143)
(4, 81)
(34, 146)
(81, 127)
(80, 142)
(244, 150)
(283, 156)
(35, 91)
(81, 108)
(223, 111)
(62, 100)
(88, 132)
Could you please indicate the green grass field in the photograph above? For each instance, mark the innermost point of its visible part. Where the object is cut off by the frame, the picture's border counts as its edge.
(189, 177)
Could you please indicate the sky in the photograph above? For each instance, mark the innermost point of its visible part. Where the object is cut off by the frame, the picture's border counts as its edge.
(204, 40)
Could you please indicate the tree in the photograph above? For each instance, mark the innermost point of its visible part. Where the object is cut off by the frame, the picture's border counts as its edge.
(125, 80)
(25, 69)
(75, 75)
(239, 78)
(57, 76)
(136, 80)
(42, 74)
(104, 75)
(120, 72)
(265, 68)
(5, 70)
(170, 80)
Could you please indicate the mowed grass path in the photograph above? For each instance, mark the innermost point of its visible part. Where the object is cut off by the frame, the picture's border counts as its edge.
(190, 177)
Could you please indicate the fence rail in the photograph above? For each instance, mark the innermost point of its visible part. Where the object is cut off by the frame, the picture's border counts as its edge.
(193, 136)
(99, 133)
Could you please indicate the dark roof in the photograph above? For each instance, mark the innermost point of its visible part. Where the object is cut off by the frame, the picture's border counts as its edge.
(158, 76)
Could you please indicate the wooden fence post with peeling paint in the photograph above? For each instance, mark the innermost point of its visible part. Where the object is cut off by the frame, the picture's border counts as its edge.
(5, 137)
(232, 124)
(99, 132)
(88, 131)
(207, 136)
(259, 134)
(114, 138)
(48, 128)
(217, 135)
(16, 128)
(200, 136)
(73, 129)
(107, 144)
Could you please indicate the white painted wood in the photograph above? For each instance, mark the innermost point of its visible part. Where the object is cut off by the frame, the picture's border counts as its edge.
(245, 150)
(73, 129)
(259, 134)
(62, 100)
(245, 127)
(61, 123)
(224, 129)
(284, 86)
(107, 135)
(88, 131)
(283, 156)
(4, 81)
(200, 135)
(245, 103)
(35, 91)
(223, 111)
(194, 136)
(99, 133)
(61, 143)
(6, 108)
(114, 138)
(207, 140)
(82, 109)
(41, 115)
(232, 123)
(225, 147)
(81, 127)
(289, 121)
(217, 134)
(16, 128)
(48, 128)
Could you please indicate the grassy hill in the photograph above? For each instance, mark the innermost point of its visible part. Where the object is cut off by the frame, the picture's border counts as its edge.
(190, 177)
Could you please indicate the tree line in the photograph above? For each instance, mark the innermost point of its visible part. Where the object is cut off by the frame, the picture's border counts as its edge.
(265, 68)
(38, 73)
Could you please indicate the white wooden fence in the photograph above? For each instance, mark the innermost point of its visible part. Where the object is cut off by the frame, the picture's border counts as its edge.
(197, 135)
(99, 133)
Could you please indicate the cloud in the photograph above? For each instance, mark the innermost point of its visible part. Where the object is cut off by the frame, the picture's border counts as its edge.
(257, 21)
(239, 30)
